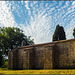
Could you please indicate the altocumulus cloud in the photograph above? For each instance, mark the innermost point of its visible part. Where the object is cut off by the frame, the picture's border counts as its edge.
(6, 16)
(38, 19)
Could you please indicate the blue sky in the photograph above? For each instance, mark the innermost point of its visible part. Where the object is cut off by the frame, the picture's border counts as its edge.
(38, 19)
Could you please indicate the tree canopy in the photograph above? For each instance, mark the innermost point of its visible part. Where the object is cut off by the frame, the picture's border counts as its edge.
(11, 37)
(59, 33)
(74, 32)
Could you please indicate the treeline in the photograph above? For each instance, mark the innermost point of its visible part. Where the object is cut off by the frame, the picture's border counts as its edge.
(59, 33)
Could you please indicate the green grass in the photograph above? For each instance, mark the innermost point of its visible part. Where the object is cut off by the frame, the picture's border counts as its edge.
(51, 71)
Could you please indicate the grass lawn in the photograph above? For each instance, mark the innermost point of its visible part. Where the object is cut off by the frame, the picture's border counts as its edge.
(6, 71)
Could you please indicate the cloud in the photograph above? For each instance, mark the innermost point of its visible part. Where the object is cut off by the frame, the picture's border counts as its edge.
(6, 17)
(26, 5)
(38, 19)
(73, 3)
(69, 29)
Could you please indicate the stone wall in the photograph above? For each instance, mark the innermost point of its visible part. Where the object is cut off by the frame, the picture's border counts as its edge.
(20, 58)
(63, 54)
(15, 59)
(33, 57)
(39, 56)
(48, 57)
(10, 61)
(58, 54)
(28, 58)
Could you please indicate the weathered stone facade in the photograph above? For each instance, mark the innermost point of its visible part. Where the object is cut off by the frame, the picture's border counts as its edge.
(58, 54)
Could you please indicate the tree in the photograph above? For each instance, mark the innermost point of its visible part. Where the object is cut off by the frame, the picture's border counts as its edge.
(59, 33)
(74, 32)
(11, 37)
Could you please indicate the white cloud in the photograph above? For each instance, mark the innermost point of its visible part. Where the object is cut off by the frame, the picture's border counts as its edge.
(67, 3)
(41, 27)
(73, 3)
(41, 18)
(6, 18)
(46, 5)
(22, 1)
(26, 5)
(69, 29)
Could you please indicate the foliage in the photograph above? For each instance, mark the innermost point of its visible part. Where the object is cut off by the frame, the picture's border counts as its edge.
(11, 37)
(59, 33)
(74, 32)
(5, 65)
(1, 59)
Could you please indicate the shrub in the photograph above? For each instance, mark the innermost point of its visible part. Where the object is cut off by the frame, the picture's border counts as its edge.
(1, 59)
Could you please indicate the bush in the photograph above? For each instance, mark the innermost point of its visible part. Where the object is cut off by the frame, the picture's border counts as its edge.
(5, 65)
(1, 59)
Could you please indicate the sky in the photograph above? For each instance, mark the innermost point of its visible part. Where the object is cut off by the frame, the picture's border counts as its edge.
(38, 19)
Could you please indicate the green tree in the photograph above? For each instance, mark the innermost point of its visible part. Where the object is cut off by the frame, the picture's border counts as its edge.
(74, 32)
(11, 37)
(59, 34)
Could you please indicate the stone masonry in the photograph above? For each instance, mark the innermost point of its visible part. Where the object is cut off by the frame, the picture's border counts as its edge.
(53, 55)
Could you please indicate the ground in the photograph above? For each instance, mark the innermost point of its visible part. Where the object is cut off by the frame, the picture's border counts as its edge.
(70, 71)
